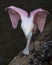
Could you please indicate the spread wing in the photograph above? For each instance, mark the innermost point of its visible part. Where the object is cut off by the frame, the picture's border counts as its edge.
(16, 14)
(39, 18)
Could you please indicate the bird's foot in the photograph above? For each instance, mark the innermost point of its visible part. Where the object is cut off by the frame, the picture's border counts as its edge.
(26, 51)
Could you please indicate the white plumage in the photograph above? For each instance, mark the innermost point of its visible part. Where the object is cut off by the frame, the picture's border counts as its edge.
(27, 25)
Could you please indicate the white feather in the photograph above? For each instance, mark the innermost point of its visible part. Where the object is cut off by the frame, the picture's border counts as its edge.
(27, 25)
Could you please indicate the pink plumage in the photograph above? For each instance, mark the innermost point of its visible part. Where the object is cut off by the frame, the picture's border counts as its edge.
(40, 16)
(36, 19)
(15, 14)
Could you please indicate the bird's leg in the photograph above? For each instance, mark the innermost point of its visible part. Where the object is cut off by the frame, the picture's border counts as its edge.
(26, 50)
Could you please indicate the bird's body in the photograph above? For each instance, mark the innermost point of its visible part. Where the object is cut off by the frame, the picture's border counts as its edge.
(28, 23)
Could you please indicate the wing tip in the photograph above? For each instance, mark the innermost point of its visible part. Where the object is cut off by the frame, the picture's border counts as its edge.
(9, 7)
(41, 9)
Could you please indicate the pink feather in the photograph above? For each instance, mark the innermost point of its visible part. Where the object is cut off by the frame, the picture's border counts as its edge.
(39, 16)
(15, 14)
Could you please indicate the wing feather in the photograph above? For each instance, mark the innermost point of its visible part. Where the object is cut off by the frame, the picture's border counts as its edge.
(16, 14)
(39, 16)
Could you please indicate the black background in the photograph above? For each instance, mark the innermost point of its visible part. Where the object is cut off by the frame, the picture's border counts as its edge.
(12, 41)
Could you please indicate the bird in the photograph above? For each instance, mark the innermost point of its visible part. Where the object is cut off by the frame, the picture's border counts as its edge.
(36, 20)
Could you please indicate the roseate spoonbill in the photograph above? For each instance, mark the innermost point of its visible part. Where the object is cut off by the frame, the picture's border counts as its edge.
(36, 19)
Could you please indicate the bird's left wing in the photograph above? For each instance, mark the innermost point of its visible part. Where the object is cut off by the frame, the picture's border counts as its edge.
(15, 14)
